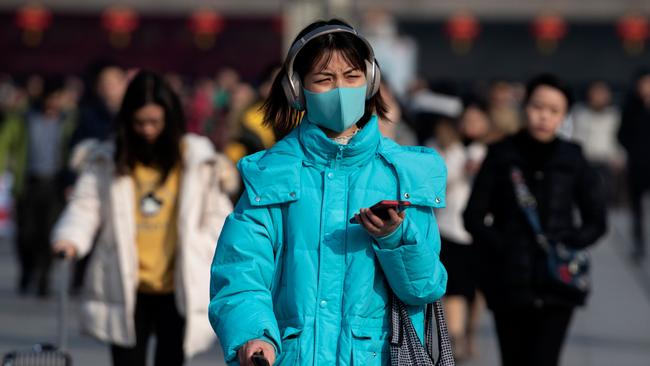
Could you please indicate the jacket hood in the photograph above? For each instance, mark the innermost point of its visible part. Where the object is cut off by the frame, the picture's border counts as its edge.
(196, 150)
(274, 176)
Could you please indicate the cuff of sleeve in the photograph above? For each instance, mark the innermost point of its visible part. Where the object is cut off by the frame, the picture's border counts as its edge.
(238, 340)
(73, 238)
(392, 240)
(267, 338)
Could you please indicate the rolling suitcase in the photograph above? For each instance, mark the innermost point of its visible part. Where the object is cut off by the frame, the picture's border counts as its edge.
(44, 354)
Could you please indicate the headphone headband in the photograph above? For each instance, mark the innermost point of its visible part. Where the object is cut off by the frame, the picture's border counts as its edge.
(326, 29)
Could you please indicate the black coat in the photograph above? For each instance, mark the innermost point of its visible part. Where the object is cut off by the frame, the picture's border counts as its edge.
(512, 266)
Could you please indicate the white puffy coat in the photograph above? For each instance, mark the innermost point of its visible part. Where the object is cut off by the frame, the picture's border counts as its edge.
(101, 211)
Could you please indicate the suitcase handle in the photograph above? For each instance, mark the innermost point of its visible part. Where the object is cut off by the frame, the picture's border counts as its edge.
(65, 264)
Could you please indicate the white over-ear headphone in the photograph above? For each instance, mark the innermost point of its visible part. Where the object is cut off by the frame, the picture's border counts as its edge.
(291, 82)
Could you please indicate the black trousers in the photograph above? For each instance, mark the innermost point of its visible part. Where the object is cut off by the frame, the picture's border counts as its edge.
(154, 315)
(532, 336)
(36, 213)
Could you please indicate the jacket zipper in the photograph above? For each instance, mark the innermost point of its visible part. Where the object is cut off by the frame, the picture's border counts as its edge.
(339, 156)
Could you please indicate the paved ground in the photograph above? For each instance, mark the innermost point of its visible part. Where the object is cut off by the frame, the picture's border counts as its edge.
(25, 321)
(613, 330)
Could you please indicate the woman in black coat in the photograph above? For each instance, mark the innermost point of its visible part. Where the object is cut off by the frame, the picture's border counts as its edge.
(532, 316)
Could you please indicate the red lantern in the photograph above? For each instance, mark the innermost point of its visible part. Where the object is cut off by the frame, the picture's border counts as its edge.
(205, 24)
(462, 29)
(634, 30)
(548, 30)
(33, 20)
(120, 22)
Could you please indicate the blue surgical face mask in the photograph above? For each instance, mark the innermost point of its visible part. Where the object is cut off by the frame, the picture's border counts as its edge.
(337, 109)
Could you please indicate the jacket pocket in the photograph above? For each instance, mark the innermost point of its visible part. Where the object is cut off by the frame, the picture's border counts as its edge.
(370, 346)
(290, 347)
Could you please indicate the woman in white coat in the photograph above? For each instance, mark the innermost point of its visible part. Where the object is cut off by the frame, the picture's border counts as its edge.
(153, 201)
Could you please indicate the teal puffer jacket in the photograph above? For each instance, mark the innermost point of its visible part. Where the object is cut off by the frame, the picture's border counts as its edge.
(290, 268)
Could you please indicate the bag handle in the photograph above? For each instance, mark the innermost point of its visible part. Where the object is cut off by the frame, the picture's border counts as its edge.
(405, 345)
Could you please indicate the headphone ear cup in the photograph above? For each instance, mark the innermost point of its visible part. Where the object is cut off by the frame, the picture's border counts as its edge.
(300, 94)
(373, 77)
(295, 95)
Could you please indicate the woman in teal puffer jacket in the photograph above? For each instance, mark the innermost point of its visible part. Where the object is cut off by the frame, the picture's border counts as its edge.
(303, 271)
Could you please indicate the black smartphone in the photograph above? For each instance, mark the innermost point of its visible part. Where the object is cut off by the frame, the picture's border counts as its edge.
(259, 359)
(381, 208)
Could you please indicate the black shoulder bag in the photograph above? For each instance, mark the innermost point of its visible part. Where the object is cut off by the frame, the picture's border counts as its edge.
(568, 268)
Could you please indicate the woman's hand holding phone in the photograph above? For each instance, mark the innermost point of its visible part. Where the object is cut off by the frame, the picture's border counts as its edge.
(377, 226)
(256, 346)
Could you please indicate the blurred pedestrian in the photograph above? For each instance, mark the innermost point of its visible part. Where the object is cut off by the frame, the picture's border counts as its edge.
(633, 135)
(428, 107)
(456, 252)
(477, 132)
(250, 134)
(393, 126)
(503, 108)
(226, 81)
(97, 110)
(100, 103)
(200, 105)
(293, 276)
(596, 124)
(153, 197)
(531, 311)
(36, 153)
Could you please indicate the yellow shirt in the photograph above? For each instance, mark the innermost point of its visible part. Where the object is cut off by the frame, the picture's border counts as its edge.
(156, 228)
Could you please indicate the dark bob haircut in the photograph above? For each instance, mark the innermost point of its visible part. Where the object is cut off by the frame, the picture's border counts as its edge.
(550, 81)
(277, 111)
(149, 88)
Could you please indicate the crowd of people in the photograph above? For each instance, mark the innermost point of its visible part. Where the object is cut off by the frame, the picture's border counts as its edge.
(138, 168)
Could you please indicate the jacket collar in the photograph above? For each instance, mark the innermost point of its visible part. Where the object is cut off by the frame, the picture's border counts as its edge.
(320, 150)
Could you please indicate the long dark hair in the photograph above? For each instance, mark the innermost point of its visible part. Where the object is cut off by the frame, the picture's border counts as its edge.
(164, 154)
(277, 111)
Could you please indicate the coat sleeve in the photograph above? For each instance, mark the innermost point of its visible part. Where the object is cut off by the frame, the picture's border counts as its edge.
(479, 204)
(626, 130)
(410, 258)
(217, 207)
(590, 200)
(241, 305)
(81, 218)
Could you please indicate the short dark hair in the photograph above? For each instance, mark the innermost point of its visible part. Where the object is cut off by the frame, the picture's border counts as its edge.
(551, 81)
(145, 88)
(475, 101)
(277, 111)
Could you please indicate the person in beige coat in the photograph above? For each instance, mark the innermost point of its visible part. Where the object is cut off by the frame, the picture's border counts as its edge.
(153, 203)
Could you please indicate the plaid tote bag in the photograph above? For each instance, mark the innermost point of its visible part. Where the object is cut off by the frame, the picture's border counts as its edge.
(406, 349)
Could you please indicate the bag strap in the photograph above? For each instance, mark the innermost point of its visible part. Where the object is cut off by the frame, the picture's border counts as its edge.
(444, 342)
(405, 345)
(528, 205)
